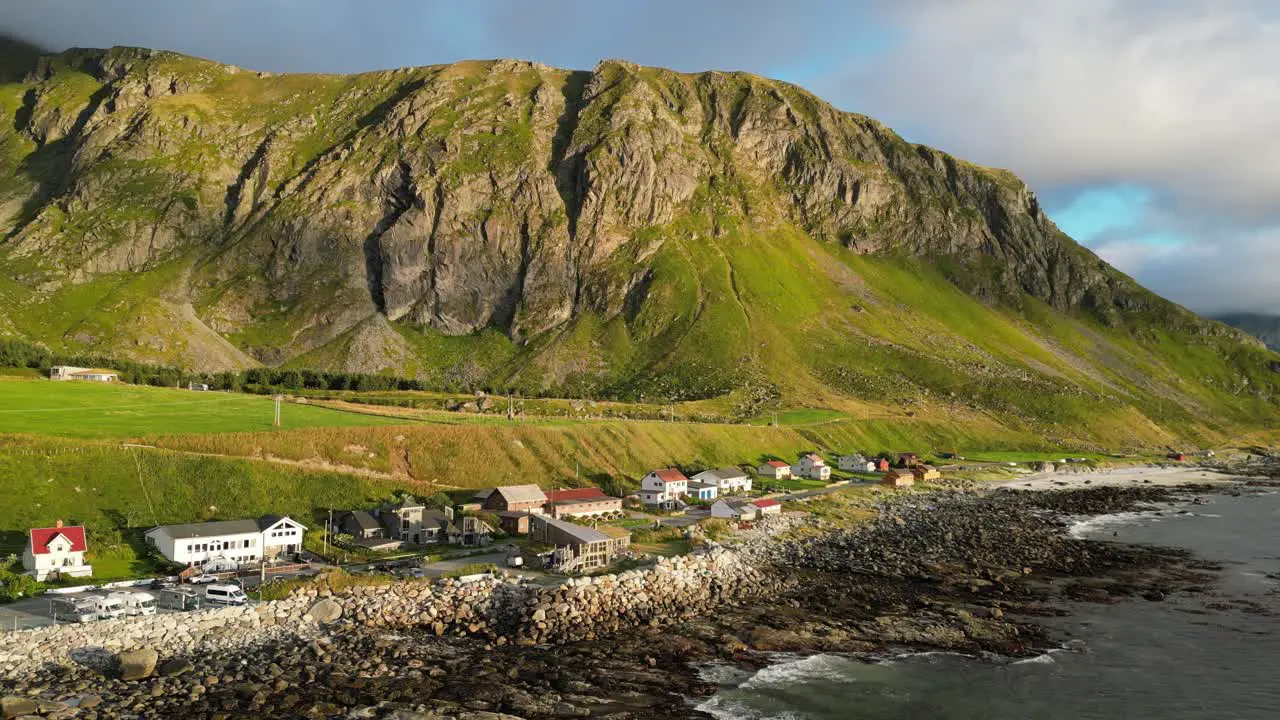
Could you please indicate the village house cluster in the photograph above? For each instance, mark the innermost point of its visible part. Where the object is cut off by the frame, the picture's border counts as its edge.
(571, 522)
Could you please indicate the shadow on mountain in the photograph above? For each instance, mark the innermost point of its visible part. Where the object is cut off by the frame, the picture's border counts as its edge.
(17, 58)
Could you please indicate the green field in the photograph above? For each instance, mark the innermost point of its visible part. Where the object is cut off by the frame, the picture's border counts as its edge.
(93, 410)
(118, 493)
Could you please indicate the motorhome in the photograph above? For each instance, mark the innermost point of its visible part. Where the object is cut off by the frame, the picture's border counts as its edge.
(136, 604)
(110, 607)
(225, 595)
(72, 609)
(179, 598)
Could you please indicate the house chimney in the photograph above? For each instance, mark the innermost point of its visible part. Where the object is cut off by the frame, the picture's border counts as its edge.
(58, 524)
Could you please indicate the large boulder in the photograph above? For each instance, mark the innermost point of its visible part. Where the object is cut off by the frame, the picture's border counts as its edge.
(137, 664)
(326, 611)
(12, 706)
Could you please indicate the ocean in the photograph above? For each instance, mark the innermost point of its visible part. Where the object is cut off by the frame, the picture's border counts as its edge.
(1171, 660)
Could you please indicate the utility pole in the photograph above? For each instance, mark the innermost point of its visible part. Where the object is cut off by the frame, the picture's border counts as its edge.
(328, 529)
(277, 418)
(511, 408)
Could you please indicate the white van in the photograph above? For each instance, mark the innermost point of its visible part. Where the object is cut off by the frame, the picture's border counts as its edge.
(110, 607)
(76, 610)
(136, 604)
(225, 595)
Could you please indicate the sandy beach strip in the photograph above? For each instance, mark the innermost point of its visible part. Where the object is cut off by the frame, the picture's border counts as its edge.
(1162, 476)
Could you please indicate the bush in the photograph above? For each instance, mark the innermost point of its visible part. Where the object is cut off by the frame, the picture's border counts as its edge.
(15, 587)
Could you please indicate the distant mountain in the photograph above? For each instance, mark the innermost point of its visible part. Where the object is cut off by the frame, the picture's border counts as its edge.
(625, 232)
(1265, 327)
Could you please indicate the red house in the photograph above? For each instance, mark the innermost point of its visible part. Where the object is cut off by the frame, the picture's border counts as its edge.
(1178, 457)
(882, 464)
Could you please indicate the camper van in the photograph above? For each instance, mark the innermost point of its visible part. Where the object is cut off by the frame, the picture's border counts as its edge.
(136, 604)
(181, 599)
(110, 607)
(76, 610)
(225, 595)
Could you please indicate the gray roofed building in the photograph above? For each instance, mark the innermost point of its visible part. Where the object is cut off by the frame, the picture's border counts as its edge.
(211, 529)
(580, 533)
(360, 524)
(516, 497)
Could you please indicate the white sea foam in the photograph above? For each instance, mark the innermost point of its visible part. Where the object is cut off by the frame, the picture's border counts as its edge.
(805, 670)
(1045, 659)
(1084, 527)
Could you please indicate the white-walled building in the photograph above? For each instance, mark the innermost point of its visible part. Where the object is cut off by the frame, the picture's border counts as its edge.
(856, 463)
(66, 372)
(223, 542)
(813, 467)
(728, 480)
(733, 509)
(775, 470)
(56, 552)
(663, 487)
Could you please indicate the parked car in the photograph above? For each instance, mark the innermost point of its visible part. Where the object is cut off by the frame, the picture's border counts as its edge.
(203, 579)
(225, 595)
(136, 604)
(77, 610)
(110, 607)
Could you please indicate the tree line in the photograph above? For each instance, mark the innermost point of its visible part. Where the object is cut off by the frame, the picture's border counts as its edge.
(18, 353)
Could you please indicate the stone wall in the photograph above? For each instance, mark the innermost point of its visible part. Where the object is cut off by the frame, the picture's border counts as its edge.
(501, 610)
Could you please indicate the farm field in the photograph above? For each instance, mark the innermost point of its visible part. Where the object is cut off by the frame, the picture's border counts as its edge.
(93, 410)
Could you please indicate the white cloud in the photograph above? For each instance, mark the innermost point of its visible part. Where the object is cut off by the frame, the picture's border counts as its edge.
(1181, 95)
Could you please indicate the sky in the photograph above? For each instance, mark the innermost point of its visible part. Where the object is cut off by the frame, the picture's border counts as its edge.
(1145, 127)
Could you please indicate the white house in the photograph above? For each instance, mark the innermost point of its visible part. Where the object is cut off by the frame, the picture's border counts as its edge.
(66, 372)
(56, 552)
(775, 470)
(663, 487)
(812, 467)
(728, 480)
(228, 542)
(731, 509)
(855, 463)
(703, 491)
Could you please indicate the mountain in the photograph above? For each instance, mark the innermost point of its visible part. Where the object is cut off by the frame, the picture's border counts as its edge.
(1264, 327)
(627, 232)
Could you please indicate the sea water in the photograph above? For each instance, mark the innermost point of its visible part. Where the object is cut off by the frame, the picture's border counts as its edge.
(1171, 660)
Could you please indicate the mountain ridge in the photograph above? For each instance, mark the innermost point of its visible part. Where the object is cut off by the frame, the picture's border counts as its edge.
(625, 230)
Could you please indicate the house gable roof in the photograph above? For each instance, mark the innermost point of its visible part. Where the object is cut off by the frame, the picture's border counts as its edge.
(814, 458)
(208, 529)
(520, 494)
(42, 537)
(591, 493)
(670, 475)
(724, 473)
(777, 464)
(580, 533)
(363, 520)
(766, 502)
(269, 522)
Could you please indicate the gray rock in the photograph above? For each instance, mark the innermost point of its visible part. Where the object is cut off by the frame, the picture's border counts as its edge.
(12, 706)
(326, 611)
(137, 664)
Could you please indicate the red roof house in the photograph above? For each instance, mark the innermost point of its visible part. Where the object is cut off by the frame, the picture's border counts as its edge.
(56, 551)
(575, 494)
(768, 506)
(669, 475)
(42, 537)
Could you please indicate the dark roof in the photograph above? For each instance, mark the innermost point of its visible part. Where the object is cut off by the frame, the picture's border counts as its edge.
(588, 493)
(511, 494)
(580, 533)
(362, 519)
(724, 473)
(210, 529)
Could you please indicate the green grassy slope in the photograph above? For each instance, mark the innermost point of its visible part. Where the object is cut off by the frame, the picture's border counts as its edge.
(118, 493)
(745, 301)
(97, 410)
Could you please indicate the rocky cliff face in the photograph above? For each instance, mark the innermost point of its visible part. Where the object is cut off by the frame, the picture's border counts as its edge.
(1265, 327)
(288, 215)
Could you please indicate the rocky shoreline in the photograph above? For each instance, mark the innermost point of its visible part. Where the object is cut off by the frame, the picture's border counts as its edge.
(957, 571)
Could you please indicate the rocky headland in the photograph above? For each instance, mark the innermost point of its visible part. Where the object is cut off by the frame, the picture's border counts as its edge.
(969, 572)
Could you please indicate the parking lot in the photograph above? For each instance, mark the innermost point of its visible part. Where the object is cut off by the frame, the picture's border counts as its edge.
(38, 611)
